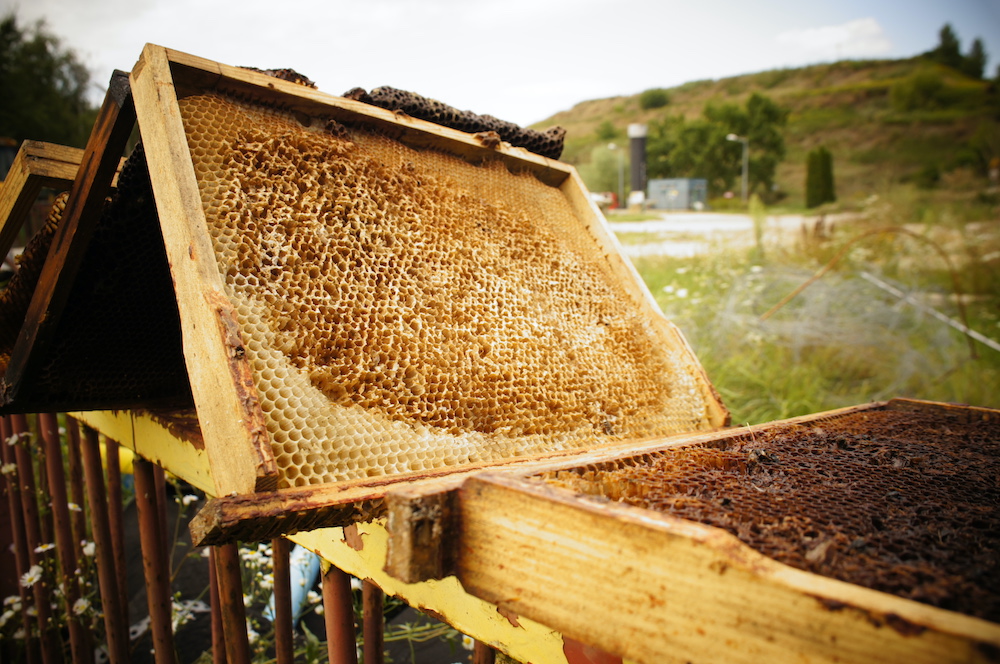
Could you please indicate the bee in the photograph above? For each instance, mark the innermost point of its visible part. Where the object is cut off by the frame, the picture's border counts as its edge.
(489, 139)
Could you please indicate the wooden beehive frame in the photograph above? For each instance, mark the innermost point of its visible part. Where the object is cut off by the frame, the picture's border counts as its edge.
(237, 443)
(40, 164)
(681, 591)
(229, 410)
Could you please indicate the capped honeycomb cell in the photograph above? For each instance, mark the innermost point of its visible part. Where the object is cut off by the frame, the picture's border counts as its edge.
(405, 310)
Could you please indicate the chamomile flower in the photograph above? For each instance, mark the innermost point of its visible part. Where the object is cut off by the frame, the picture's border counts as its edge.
(81, 606)
(32, 576)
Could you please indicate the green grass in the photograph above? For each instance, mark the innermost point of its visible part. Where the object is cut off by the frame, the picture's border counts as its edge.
(842, 342)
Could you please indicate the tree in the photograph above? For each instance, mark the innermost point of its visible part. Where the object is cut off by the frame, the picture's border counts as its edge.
(698, 148)
(974, 63)
(606, 131)
(949, 50)
(819, 178)
(602, 172)
(44, 87)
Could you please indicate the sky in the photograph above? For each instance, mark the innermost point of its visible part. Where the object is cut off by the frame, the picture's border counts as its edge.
(519, 60)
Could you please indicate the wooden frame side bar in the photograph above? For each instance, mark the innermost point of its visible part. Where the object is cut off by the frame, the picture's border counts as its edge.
(237, 442)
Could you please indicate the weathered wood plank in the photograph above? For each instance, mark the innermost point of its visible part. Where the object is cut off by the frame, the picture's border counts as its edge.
(196, 74)
(114, 124)
(653, 588)
(228, 407)
(36, 165)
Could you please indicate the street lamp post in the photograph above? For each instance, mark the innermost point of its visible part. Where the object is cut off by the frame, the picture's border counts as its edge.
(746, 162)
(621, 173)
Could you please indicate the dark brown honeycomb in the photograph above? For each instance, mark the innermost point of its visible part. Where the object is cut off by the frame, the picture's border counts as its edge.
(547, 143)
(405, 310)
(117, 343)
(900, 501)
(16, 296)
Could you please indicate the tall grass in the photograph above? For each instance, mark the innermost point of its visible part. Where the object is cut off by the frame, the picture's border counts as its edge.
(843, 341)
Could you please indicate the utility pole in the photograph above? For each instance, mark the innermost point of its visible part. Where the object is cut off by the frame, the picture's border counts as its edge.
(746, 163)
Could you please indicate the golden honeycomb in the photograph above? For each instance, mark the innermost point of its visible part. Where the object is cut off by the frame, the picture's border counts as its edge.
(407, 310)
(15, 297)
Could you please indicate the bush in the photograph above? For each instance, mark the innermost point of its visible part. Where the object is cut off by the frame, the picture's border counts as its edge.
(927, 177)
(924, 89)
(653, 98)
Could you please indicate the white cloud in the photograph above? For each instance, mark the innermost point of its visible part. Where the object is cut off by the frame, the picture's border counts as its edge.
(860, 38)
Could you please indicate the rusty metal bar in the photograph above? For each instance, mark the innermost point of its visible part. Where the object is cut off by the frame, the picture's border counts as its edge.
(76, 488)
(81, 643)
(218, 638)
(483, 654)
(234, 617)
(21, 559)
(284, 648)
(155, 566)
(374, 622)
(50, 641)
(338, 612)
(116, 519)
(160, 482)
(112, 596)
(45, 525)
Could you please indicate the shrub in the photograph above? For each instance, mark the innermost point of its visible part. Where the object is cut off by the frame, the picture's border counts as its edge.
(819, 178)
(923, 89)
(653, 98)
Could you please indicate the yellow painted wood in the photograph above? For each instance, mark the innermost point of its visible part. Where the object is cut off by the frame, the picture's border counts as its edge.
(228, 408)
(658, 589)
(445, 599)
(149, 439)
(531, 642)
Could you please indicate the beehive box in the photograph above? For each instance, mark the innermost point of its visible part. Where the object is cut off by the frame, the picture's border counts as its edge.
(345, 295)
(868, 534)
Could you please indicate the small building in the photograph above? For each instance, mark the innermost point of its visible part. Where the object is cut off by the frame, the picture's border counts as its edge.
(678, 194)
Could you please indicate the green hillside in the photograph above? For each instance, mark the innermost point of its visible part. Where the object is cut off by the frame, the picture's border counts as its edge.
(886, 122)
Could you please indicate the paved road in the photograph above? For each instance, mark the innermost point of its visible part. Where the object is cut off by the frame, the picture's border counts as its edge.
(698, 232)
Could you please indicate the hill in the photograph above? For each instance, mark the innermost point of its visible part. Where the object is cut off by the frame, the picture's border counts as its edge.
(885, 121)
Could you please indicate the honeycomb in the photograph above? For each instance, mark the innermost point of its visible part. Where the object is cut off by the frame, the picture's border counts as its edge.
(16, 296)
(899, 501)
(548, 143)
(406, 310)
